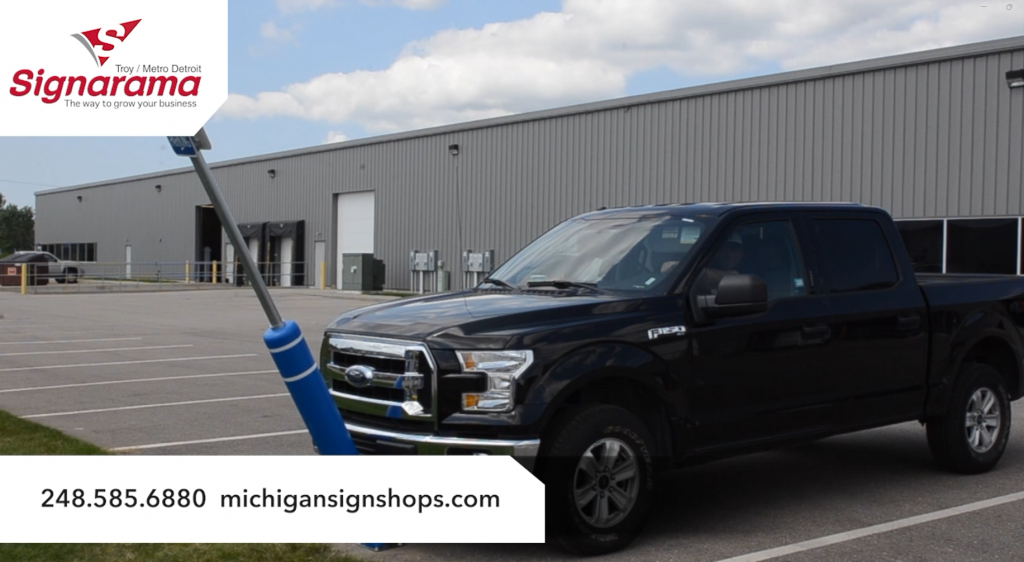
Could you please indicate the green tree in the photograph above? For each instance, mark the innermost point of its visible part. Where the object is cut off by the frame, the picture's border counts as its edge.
(17, 227)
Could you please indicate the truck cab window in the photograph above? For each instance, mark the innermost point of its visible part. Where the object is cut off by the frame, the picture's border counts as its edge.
(854, 255)
(766, 249)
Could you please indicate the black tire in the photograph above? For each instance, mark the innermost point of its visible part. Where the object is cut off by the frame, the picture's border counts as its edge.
(72, 275)
(950, 437)
(597, 429)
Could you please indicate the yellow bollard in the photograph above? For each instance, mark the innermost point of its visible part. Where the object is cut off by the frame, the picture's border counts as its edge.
(24, 279)
(323, 275)
(214, 278)
(188, 272)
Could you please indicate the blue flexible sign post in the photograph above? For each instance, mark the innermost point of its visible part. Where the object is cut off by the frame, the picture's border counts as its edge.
(308, 390)
(284, 340)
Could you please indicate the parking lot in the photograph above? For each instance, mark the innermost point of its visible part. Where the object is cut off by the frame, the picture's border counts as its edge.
(186, 373)
(165, 373)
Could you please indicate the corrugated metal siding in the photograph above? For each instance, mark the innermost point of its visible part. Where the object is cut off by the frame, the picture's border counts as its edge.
(933, 139)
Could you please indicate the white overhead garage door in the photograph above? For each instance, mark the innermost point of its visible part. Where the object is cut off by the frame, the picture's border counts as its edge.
(355, 226)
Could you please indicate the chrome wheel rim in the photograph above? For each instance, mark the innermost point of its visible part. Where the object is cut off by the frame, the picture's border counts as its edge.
(983, 421)
(606, 483)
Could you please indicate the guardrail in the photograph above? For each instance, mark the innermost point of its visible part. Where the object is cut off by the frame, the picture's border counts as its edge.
(115, 276)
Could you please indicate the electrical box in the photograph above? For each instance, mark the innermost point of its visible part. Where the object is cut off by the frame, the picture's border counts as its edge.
(477, 262)
(423, 261)
(489, 261)
(357, 272)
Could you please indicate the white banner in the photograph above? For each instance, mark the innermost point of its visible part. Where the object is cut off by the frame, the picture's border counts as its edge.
(112, 67)
(219, 499)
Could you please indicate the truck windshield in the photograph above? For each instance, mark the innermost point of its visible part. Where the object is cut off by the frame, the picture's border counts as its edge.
(612, 254)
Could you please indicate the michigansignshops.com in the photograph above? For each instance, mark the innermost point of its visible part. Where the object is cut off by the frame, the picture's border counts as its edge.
(352, 503)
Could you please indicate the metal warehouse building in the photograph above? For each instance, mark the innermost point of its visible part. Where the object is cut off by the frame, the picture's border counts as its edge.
(936, 138)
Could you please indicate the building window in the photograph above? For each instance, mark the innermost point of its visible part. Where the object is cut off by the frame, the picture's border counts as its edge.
(982, 246)
(72, 251)
(923, 240)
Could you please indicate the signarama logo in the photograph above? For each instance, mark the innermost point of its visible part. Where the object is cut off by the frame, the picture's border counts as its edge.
(132, 80)
(93, 40)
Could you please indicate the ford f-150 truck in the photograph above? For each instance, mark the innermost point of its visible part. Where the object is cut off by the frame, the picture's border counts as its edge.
(628, 341)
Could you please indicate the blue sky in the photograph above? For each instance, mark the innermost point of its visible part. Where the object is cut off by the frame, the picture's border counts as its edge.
(305, 71)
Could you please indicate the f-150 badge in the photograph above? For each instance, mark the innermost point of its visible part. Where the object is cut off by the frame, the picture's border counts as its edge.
(656, 333)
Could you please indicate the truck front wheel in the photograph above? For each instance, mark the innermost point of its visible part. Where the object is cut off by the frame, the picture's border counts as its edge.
(971, 436)
(600, 476)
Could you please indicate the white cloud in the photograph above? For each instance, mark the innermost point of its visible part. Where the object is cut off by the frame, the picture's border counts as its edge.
(270, 31)
(409, 4)
(589, 49)
(335, 136)
(292, 6)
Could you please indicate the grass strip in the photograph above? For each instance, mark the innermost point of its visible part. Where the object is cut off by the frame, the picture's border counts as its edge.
(22, 437)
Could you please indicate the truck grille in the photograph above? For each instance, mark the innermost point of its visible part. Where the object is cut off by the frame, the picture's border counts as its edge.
(383, 366)
(394, 380)
(374, 392)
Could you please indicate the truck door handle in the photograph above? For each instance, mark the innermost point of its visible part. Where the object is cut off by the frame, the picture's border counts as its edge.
(907, 322)
(814, 333)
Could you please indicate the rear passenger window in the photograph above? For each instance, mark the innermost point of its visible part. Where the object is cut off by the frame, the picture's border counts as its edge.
(854, 255)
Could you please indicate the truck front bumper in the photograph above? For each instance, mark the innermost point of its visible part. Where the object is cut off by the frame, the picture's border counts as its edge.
(377, 441)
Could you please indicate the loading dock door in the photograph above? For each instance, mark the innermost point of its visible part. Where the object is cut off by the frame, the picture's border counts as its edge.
(286, 261)
(255, 240)
(254, 249)
(287, 241)
(355, 227)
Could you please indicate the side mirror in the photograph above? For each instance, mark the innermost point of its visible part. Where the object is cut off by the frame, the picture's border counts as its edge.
(737, 295)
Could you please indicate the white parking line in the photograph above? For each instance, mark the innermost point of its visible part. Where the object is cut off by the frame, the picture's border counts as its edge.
(65, 341)
(146, 406)
(126, 362)
(48, 333)
(16, 325)
(215, 440)
(154, 379)
(874, 529)
(64, 351)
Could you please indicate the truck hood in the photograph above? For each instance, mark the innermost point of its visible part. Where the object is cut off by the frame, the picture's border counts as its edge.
(483, 319)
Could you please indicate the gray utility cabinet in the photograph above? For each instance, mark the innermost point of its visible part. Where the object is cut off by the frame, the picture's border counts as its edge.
(361, 272)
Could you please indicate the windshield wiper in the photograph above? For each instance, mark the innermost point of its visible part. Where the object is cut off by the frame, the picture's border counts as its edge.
(500, 283)
(560, 284)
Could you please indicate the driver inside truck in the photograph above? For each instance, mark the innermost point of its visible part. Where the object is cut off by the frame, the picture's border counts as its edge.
(725, 262)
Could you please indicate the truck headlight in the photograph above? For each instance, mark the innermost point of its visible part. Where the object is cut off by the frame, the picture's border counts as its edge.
(502, 369)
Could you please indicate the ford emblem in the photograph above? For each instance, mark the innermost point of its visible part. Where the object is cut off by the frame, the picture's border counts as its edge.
(359, 376)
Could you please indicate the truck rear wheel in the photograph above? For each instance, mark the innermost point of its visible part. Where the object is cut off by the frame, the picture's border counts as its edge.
(600, 475)
(971, 437)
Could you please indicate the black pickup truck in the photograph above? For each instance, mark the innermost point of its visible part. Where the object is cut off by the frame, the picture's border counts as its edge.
(628, 341)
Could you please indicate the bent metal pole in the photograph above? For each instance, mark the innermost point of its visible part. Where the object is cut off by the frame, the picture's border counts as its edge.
(252, 272)
(284, 339)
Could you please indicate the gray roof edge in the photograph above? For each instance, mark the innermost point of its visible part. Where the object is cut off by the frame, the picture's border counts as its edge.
(918, 57)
